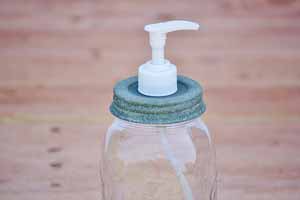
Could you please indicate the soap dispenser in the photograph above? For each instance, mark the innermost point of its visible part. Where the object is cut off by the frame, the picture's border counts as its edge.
(158, 147)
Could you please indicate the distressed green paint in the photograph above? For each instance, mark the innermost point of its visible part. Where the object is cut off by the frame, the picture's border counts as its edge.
(130, 105)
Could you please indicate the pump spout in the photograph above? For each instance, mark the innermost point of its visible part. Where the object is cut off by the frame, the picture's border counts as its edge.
(158, 77)
(158, 35)
(170, 26)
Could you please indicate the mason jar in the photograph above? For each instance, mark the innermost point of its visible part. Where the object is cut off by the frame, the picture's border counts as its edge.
(158, 148)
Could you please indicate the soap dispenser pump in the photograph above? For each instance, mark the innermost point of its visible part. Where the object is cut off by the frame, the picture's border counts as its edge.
(158, 77)
(158, 147)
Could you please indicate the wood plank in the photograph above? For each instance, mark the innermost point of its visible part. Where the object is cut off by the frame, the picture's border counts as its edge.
(246, 70)
(250, 101)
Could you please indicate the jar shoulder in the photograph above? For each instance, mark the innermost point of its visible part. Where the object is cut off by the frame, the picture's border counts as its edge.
(143, 142)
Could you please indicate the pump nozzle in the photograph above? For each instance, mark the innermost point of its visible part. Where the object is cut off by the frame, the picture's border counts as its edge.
(158, 34)
(159, 77)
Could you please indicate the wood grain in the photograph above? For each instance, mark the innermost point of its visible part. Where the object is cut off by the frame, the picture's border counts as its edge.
(60, 59)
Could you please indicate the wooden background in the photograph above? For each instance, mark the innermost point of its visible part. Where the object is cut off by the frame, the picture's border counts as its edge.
(59, 60)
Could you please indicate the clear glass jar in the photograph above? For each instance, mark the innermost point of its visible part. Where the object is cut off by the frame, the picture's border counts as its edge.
(158, 162)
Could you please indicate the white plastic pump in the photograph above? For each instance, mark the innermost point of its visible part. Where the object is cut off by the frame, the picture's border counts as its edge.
(158, 77)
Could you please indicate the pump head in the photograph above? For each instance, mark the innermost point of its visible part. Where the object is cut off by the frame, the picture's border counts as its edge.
(158, 77)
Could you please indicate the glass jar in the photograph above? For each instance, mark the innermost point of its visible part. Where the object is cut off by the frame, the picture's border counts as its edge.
(158, 162)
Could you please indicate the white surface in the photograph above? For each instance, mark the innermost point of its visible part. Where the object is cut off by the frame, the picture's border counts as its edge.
(158, 77)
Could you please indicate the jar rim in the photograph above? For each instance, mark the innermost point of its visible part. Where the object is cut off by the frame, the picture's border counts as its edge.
(130, 105)
(129, 124)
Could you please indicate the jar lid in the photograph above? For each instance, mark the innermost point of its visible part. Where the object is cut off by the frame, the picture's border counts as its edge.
(130, 105)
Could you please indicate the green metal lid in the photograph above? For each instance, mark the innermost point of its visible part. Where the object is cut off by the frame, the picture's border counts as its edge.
(130, 105)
